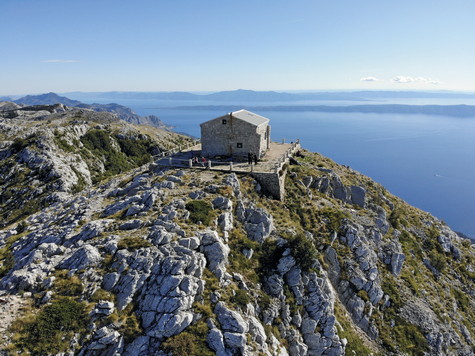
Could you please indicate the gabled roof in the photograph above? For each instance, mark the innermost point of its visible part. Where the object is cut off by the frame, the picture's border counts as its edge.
(250, 117)
(246, 116)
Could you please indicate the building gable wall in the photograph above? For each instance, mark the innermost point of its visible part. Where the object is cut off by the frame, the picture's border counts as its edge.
(234, 138)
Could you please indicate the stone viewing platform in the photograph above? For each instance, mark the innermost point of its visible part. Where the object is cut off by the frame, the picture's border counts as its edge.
(273, 160)
(268, 170)
(237, 142)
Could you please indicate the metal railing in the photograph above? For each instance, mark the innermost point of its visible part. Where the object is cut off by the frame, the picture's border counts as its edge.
(219, 165)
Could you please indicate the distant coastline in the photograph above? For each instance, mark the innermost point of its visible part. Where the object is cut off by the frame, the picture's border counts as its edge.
(462, 111)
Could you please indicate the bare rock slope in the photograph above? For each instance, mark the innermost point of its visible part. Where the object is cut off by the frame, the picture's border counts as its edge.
(173, 262)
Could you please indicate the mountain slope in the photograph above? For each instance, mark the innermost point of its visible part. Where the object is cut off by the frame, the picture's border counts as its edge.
(48, 152)
(46, 99)
(122, 112)
(189, 262)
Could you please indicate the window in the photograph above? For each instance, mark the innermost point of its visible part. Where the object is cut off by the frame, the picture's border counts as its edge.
(225, 121)
(239, 145)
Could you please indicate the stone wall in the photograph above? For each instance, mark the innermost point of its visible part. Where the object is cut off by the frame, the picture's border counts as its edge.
(272, 183)
(222, 139)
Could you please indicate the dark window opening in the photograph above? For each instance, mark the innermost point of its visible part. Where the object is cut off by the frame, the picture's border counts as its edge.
(239, 145)
(225, 121)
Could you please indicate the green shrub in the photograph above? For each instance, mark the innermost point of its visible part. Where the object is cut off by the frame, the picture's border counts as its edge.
(463, 302)
(303, 251)
(50, 332)
(136, 149)
(438, 260)
(333, 217)
(6, 261)
(131, 327)
(269, 255)
(67, 286)
(191, 342)
(241, 298)
(21, 143)
(132, 243)
(409, 338)
(200, 211)
(101, 294)
(64, 145)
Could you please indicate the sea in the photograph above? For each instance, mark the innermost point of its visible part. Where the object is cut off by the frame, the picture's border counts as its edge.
(429, 161)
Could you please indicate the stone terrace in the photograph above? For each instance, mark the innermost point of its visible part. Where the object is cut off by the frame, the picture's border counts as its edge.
(272, 161)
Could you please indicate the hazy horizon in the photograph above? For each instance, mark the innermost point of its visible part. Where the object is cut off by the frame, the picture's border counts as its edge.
(155, 46)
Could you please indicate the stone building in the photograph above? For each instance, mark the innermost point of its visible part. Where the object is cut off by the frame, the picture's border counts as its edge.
(235, 134)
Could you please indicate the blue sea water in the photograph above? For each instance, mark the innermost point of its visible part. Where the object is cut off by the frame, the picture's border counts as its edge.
(429, 161)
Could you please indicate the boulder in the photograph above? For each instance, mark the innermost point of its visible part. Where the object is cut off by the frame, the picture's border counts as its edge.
(86, 256)
(230, 320)
(222, 203)
(257, 223)
(215, 342)
(358, 196)
(216, 252)
(397, 260)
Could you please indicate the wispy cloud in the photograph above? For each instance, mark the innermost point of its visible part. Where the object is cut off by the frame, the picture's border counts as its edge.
(401, 79)
(369, 79)
(59, 61)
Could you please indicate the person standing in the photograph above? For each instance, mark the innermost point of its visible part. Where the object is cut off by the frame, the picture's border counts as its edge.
(249, 158)
(255, 159)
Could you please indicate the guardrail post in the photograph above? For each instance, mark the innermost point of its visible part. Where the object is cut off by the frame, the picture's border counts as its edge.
(190, 163)
(230, 166)
(209, 164)
(170, 161)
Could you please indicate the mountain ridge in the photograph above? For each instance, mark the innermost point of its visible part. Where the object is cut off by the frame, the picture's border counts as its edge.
(121, 111)
(254, 95)
(156, 260)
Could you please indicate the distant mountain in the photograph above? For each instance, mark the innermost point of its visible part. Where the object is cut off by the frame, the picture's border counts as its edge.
(223, 96)
(46, 99)
(443, 110)
(243, 95)
(123, 112)
(116, 95)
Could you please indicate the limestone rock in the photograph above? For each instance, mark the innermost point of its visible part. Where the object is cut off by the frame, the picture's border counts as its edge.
(222, 203)
(230, 320)
(216, 252)
(85, 257)
(257, 223)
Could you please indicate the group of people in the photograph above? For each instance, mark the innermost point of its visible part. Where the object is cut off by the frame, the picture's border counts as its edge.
(251, 157)
(199, 160)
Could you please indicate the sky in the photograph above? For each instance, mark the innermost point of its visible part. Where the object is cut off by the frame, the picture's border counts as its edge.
(213, 45)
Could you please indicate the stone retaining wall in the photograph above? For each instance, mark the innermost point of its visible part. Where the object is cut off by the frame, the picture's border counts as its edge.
(272, 183)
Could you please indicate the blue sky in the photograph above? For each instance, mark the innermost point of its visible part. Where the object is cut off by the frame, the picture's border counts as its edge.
(211, 45)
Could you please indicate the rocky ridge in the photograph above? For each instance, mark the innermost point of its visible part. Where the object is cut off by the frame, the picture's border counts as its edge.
(122, 112)
(50, 151)
(173, 262)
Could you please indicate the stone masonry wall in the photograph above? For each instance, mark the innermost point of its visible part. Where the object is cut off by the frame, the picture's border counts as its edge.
(272, 183)
(222, 139)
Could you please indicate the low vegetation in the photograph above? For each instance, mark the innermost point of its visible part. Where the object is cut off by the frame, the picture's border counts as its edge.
(51, 330)
(119, 153)
(200, 212)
